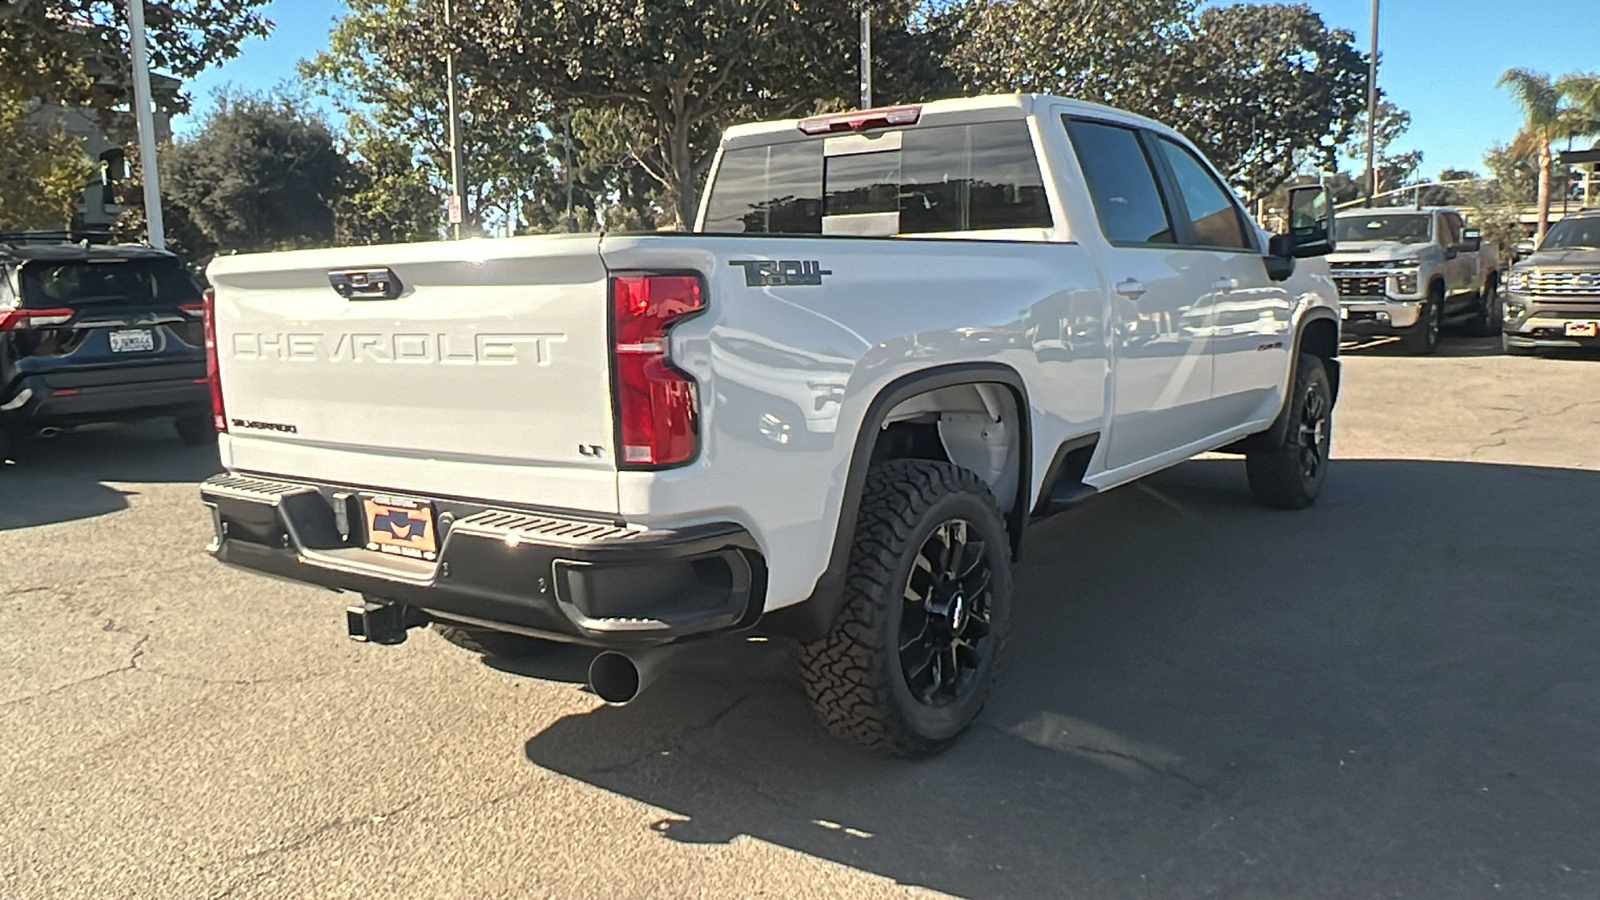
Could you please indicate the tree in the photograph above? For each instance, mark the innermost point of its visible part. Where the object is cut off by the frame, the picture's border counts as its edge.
(1394, 169)
(388, 199)
(683, 69)
(384, 69)
(1118, 54)
(74, 52)
(260, 174)
(1547, 118)
(1264, 89)
(43, 169)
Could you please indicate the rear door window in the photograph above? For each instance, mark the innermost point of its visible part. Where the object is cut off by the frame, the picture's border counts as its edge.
(1120, 178)
(75, 284)
(940, 179)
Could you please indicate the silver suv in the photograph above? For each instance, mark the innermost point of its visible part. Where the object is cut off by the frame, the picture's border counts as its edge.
(1553, 296)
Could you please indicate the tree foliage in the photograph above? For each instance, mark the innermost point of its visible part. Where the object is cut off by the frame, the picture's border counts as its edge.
(260, 174)
(387, 198)
(681, 69)
(384, 69)
(1552, 111)
(43, 169)
(74, 52)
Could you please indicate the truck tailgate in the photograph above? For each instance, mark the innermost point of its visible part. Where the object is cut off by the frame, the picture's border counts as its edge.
(487, 377)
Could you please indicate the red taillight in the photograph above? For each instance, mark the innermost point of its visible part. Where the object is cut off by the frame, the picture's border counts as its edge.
(862, 120)
(20, 319)
(219, 419)
(656, 404)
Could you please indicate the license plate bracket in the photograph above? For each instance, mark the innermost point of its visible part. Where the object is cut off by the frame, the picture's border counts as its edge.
(133, 340)
(1583, 329)
(400, 525)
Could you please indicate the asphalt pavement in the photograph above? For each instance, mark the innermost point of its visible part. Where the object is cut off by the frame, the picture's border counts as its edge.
(1394, 694)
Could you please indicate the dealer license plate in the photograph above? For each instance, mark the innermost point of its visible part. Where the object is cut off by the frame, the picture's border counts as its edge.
(1583, 329)
(400, 526)
(133, 340)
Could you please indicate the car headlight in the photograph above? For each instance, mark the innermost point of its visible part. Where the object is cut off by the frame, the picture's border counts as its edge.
(1517, 281)
(1406, 282)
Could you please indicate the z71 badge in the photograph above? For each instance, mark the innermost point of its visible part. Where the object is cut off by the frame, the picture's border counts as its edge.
(781, 272)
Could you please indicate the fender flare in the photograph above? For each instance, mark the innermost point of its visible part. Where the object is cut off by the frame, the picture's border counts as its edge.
(1276, 432)
(810, 619)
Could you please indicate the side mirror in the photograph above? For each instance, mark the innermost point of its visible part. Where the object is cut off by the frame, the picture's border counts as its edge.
(1311, 221)
(1280, 257)
(1471, 241)
(1524, 248)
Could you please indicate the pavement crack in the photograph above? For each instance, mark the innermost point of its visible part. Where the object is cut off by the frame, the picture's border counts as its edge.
(315, 834)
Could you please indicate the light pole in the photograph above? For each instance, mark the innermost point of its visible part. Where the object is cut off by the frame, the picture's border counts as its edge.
(144, 116)
(458, 191)
(866, 57)
(1372, 109)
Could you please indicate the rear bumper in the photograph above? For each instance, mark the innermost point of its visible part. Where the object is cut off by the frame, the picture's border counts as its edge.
(43, 400)
(584, 580)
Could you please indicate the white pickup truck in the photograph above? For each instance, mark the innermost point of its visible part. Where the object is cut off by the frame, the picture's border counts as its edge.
(895, 338)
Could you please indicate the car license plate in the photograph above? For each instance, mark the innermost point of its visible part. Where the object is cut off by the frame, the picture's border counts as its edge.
(133, 340)
(400, 526)
(1583, 329)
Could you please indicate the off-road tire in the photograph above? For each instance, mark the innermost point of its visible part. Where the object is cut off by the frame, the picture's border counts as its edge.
(196, 431)
(1278, 471)
(488, 642)
(1422, 339)
(855, 675)
(1487, 317)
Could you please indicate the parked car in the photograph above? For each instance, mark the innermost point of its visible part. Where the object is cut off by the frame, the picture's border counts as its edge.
(96, 333)
(829, 415)
(1410, 272)
(1553, 296)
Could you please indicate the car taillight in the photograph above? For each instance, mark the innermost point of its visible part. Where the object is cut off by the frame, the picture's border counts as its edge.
(657, 408)
(219, 418)
(23, 319)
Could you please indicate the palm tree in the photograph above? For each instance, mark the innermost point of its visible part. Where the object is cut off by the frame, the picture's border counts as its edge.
(1582, 93)
(1546, 119)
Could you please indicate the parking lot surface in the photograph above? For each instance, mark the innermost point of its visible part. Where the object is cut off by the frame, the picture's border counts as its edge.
(1394, 694)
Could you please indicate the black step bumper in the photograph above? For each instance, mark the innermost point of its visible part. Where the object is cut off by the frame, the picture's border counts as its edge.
(586, 580)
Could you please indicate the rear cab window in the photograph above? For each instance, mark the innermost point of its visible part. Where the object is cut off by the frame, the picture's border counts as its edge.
(923, 180)
(105, 282)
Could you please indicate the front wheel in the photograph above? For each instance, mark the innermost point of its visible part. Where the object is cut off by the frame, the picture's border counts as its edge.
(1488, 314)
(912, 655)
(1289, 474)
(1423, 337)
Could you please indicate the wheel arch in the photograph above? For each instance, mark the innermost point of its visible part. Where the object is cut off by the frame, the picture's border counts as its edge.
(810, 619)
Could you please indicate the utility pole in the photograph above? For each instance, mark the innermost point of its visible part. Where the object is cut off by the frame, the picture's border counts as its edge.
(1372, 110)
(566, 168)
(866, 57)
(458, 175)
(144, 115)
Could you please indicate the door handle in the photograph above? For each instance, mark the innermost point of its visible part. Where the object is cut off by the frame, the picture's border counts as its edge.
(1131, 288)
(1224, 284)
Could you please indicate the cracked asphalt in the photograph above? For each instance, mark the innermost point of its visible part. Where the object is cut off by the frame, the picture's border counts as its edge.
(1394, 694)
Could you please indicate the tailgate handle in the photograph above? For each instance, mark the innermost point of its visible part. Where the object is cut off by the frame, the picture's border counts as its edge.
(365, 284)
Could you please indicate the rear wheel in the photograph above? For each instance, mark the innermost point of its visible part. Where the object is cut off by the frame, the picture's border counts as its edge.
(1423, 337)
(488, 642)
(914, 650)
(196, 431)
(1289, 475)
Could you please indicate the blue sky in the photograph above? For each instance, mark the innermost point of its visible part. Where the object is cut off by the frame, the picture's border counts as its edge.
(1440, 60)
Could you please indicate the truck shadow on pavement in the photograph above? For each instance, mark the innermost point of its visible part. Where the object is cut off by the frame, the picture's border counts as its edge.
(64, 478)
(1393, 694)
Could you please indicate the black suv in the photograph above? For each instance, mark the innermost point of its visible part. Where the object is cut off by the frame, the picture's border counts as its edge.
(98, 334)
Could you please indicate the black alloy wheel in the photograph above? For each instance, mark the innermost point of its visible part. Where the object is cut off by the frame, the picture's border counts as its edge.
(944, 626)
(1288, 464)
